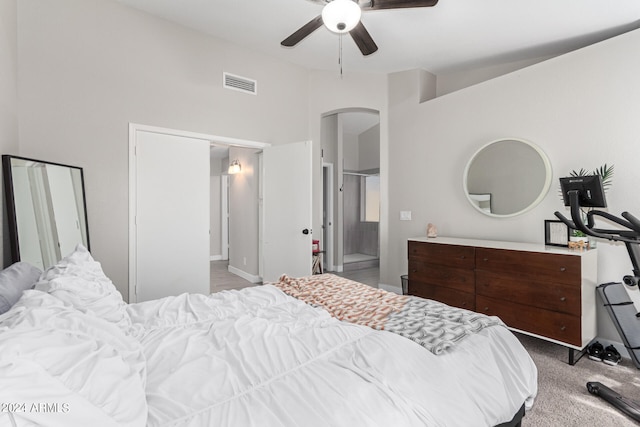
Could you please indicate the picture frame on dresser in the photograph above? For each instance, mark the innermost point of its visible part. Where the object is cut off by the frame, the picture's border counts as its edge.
(556, 233)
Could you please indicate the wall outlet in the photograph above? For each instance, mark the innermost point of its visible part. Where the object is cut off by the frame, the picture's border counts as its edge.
(405, 215)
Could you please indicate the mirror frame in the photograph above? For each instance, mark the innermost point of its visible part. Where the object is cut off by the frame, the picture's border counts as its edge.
(12, 221)
(534, 203)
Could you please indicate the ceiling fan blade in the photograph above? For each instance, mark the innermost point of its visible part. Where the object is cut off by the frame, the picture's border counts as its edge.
(398, 4)
(303, 32)
(363, 39)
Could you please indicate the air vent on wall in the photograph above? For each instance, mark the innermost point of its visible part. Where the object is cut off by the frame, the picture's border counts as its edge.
(242, 84)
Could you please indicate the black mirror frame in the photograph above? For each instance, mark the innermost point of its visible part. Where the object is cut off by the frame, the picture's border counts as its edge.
(11, 205)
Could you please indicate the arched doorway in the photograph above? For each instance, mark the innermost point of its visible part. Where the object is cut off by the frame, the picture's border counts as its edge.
(350, 141)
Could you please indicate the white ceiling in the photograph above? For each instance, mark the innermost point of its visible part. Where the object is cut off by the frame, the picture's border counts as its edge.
(355, 123)
(451, 36)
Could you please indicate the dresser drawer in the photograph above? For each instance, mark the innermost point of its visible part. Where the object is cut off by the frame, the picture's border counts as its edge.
(534, 265)
(559, 326)
(455, 278)
(446, 255)
(523, 290)
(448, 296)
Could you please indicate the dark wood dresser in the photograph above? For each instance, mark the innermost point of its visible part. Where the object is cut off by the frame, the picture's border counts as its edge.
(547, 292)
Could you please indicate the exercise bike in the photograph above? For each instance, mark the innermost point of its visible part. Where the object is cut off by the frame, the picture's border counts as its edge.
(580, 192)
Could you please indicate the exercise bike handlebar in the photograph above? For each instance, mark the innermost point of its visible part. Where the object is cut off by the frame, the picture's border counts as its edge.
(635, 222)
(631, 223)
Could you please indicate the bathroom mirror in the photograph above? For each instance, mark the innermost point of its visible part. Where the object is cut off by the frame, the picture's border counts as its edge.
(46, 210)
(507, 177)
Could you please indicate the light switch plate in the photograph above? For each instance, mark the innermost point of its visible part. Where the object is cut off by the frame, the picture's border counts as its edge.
(405, 215)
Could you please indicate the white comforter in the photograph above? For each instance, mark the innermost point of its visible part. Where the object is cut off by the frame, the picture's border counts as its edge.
(261, 358)
(72, 353)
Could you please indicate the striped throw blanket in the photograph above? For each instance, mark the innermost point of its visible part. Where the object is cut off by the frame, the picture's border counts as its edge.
(433, 325)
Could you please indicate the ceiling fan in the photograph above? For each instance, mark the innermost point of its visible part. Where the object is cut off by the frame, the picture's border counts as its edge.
(342, 16)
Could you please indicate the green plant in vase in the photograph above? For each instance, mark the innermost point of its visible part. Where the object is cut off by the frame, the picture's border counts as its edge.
(577, 233)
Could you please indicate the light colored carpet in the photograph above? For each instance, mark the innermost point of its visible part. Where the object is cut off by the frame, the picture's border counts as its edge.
(563, 399)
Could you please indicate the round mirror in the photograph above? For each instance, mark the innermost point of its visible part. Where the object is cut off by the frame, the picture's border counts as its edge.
(507, 177)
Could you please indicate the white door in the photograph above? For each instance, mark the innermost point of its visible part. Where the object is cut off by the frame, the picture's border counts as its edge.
(327, 216)
(171, 194)
(286, 206)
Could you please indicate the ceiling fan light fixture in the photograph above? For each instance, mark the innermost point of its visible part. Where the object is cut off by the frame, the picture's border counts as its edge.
(341, 16)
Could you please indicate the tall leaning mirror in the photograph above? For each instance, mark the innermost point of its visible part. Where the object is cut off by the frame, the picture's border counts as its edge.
(507, 177)
(46, 209)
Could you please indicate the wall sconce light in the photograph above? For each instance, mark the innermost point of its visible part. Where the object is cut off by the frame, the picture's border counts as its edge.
(234, 167)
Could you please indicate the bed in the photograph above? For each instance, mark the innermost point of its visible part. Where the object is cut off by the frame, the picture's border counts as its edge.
(72, 352)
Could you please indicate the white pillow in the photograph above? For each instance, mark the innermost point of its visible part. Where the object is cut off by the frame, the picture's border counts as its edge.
(86, 369)
(79, 280)
(15, 279)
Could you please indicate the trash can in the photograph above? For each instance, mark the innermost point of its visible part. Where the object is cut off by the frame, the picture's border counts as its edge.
(405, 284)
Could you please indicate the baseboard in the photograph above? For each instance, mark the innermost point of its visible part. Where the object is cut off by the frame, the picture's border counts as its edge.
(338, 268)
(215, 258)
(250, 277)
(359, 265)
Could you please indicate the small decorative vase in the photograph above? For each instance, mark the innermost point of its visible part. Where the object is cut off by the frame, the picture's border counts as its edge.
(432, 231)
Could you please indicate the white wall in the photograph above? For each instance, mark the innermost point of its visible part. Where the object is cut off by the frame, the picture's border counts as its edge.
(89, 67)
(369, 149)
(350, 151)
(8, 102)
(215, 213)
(453, 81)
(243, 212)
(582, 109)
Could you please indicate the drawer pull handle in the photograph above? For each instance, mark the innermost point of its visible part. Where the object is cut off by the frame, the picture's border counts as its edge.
(562, 328)
(486, 309)
(563, 299)
(485, 259)
(563, 269)
(462, 257)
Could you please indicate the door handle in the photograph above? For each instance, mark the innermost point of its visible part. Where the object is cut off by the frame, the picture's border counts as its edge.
(306, 231)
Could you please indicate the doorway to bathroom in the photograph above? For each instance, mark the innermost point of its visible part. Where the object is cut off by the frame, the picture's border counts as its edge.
(351, 182)
(361, 219)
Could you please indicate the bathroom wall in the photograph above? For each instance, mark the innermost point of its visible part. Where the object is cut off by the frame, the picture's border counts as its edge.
(359, 237)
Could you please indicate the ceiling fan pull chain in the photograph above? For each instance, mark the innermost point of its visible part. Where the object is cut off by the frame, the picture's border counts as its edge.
(340, 53)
